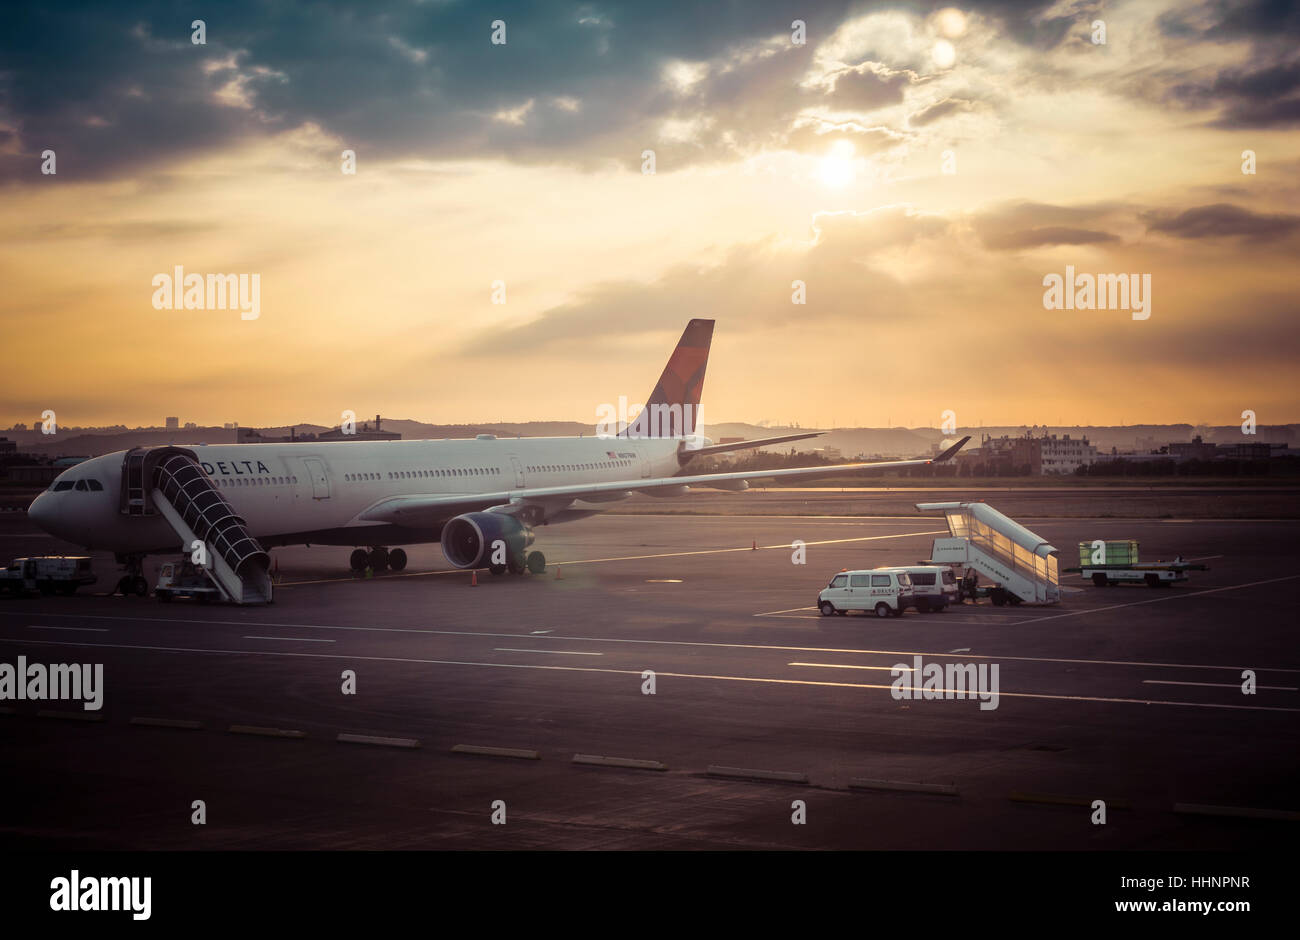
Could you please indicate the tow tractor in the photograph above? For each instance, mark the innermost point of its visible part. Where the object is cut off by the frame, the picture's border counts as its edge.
(185, 579)
(50, 574)
(1107, 563)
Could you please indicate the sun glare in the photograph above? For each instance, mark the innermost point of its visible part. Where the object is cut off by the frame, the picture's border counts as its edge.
(836, 168)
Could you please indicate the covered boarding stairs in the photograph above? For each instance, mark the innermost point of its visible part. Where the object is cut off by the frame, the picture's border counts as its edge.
(169, 481)
(1000, 549)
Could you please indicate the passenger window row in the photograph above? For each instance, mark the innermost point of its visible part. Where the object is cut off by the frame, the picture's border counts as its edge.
(256, 481)
(560, 468)
(425, 474)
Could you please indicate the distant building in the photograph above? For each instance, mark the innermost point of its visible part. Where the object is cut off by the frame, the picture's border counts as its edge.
(363, 432)
(1196, 449)
(1064, 454)
(232, 425)
(173, 423)
(1048, 454)
(191, 426)
(7, 446)
(1250, 451)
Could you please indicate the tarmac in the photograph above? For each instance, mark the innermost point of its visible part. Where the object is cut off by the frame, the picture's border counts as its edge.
(525, 698)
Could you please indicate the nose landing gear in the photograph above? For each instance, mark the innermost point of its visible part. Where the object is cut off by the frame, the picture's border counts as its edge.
(133, 581)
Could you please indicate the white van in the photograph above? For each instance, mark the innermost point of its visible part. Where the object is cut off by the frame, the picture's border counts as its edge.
(884, 591)
(934, 587)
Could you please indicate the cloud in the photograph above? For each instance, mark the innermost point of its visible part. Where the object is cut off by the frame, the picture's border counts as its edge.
(1222, 220)
(1260, 97)
(932, 113)
(120, 89)
(869, 86)
(1015, 226)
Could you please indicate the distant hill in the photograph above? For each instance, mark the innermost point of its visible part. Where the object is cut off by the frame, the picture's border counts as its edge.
(883, 442)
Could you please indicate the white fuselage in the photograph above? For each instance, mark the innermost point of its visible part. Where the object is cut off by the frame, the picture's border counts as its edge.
(315, 491)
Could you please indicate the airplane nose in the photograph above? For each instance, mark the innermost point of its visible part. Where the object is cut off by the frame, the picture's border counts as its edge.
(43, 511)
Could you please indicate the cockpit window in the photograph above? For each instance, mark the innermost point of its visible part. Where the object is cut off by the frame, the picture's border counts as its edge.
(81, 485)
(95, 485)
(62, 485)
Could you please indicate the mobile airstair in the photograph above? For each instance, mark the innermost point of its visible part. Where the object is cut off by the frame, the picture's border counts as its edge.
(169, 481)
(999, 548)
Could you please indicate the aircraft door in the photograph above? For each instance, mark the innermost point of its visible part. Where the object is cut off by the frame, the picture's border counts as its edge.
(320, 483)
(519, 471)
(645, 461)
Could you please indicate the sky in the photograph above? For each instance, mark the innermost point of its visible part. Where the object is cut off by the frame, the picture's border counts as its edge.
(913, 172)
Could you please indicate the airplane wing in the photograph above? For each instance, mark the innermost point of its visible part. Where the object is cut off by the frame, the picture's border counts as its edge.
(688, 453)
(428, 511)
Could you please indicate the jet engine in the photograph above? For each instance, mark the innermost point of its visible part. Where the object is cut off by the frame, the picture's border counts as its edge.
(468, 541)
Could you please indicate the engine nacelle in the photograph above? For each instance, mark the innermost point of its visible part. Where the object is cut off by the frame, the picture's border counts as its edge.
(467, 541)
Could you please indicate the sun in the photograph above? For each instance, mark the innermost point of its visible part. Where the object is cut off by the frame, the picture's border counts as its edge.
(837, 168)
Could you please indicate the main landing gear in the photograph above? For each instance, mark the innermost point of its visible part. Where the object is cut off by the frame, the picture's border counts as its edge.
(378, 559)
(534, 563)
(133, 581)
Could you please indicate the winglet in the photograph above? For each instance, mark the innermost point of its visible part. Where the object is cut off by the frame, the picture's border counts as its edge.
(951, 451)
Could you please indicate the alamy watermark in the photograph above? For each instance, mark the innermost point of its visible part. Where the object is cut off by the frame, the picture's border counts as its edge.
(37, 682)
(181, 291)
(949, 681)
(1098, 292)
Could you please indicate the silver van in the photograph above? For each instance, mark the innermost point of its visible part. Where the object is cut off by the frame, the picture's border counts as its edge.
(934, 587)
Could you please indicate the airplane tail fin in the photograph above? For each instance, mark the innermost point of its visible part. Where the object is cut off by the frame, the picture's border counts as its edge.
(673, 408)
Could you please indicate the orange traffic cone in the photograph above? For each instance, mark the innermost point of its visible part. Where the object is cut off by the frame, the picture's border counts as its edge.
(473, 578)
(559, 573)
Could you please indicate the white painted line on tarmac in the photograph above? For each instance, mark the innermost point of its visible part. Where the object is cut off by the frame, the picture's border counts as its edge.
(507, 649)
(691, 643)
(295, 639)
(37, 626)
(846, 666)
(636, 672)
(1245, 812)
(596, 561)
(1168, 597)
(1219, 685)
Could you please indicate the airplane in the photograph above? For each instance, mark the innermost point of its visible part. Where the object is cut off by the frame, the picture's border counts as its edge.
(481, 499)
